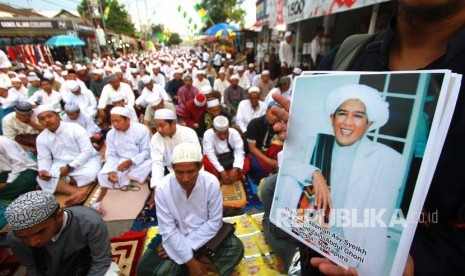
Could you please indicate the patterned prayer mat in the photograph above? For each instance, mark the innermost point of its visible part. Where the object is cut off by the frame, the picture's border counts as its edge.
(234, 195)
(126, 251)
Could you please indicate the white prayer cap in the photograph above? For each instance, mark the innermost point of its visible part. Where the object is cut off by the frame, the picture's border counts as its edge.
(164, 114)
(287, 34)
(206, 89)
(251, 65)
(69, 66)
(119, 60)
(48, 75)
(30, 209)
(134, 70)
(377, 109)
(116, 97)
(5, 65)
(297, 71)
(200, 100)
(186, 152)
(119, 110)
(107, 68)
(221, 123)
(58, 63)
(265, 72)
(254, 89)
(21, 75)
(16, 79)
(240, 68)
(156, 66)
(72, 107)
(98, 72)
(72, 85)
(231, 66)
(212, 103)
(3, 85)
(200, 72)
(228, 55)
(234, 77)
(64, 73)
(43, 108)
(79, 67)
(153, 99)
(99, 64)
(179, 71)
(117, 70)
(33, 78)
(222, 71)
(146, 79)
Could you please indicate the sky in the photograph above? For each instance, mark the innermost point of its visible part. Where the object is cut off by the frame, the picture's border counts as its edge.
(157, 11)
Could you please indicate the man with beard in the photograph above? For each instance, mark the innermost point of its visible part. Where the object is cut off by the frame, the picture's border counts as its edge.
(433, 32)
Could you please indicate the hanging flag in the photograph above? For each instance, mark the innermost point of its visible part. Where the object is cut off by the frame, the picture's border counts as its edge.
(202, 13)
(107, 10)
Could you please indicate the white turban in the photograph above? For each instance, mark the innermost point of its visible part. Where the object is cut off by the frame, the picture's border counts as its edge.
(146, 79)
(164, 114)
(43, 108)
(119, 110)
(72, 85)
(48, 75)
(72, 107)
(234, 77)
(213, 103)
(206, 89)
(186, 152)
(221, 123)
(377, 109)
(254, 89)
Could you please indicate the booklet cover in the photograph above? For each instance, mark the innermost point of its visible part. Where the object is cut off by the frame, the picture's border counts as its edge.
(358, 159)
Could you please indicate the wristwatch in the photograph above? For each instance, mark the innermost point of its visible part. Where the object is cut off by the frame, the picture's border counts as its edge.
(70, 169)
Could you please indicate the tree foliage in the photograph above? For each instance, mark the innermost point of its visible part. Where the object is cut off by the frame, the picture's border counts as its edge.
(224, 11)
(118, 18)
(175, 39)
(159, 28)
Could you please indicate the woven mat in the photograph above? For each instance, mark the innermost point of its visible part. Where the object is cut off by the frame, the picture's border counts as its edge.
(91, 188)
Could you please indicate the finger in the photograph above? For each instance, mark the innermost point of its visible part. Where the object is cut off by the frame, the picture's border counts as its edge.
(280, 113)
(316, 261)
(286, 103)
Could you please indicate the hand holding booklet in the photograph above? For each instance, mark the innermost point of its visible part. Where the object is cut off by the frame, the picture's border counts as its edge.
(359, 156)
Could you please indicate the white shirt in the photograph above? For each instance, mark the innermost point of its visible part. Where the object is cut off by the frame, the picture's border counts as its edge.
(132, 144)
(85, 121)
(134, 81)
(158, 89)
(315, 48)
(13, 158)
(287, 94)
(244, 81)
(161, 149)
(199, 84)
(220, 85)
(22, 93)
(286, 54)
(85, 100)
(159, 79)
(255, 79)
(186, 224)
(212, 146)
(40, 97)
(123, 88)
(250, 75)
(13, 127)
(260, 51)
(245, 113)
(69, 144)
(9, 101)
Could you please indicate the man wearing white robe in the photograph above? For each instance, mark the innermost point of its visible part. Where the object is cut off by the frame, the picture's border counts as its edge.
(127, 154)
(46, 95)
(250, 109)
(151, 88)
(63, 149)
(115, 86)
(18, 88)
(74, 115)
(284, 88)
(158, 77)
(200, 80)
(84, 98)
(118, 100)
(189, 211)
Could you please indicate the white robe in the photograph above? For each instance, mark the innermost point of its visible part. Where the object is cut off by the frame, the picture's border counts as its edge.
(132, 144)
(69, 144)
(40, 97)
(22, 92)
(85, 121)
(245, 113)
(14, 159)
(159, 79)
(161, 149)
(157, 89)
(186, 224)
(123, 88)
(287, 94)
(9, 101)
(212, 146)
(371, 180)
(85, 100)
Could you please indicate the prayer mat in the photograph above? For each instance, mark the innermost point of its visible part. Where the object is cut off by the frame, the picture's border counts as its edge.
(234, 195)
(124, 205)
(146, 218)
(126, 251)
(90, 189)
(253, 203)
(3, 223)
(9, 265)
